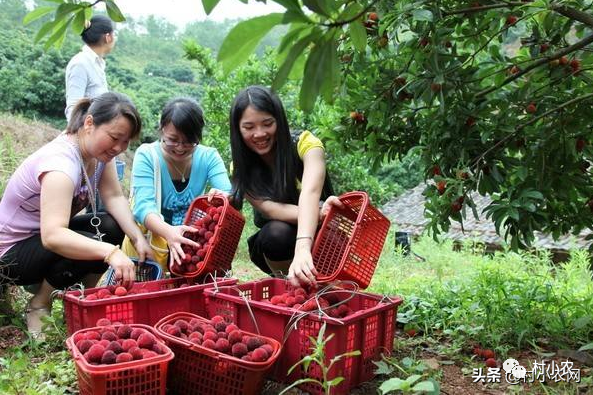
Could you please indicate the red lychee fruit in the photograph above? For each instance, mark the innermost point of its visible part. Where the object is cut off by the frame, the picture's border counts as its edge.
(239, 349)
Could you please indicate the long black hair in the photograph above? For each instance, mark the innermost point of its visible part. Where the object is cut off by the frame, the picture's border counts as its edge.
(95, 33)
(250, 174)
(186, 115)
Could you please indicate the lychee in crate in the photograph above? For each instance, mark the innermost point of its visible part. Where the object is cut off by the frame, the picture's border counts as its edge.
(122, 359)
(365, 322)
(144, 303)
(215, 357)
(349, 243)
(219, 230)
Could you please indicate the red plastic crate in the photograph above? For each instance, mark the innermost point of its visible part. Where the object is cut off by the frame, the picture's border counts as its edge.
(162, 297)
(226, 237)
(370, 329)
(141, 377)
(199, 370)
(350, 241)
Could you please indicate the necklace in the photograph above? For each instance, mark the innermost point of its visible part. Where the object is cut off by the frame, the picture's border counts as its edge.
(181, 173)
(91, 190)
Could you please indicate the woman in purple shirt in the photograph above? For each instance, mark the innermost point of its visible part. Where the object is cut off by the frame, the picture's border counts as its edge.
(41, 239)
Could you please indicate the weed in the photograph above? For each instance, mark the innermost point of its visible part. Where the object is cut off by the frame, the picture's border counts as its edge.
(318, 357)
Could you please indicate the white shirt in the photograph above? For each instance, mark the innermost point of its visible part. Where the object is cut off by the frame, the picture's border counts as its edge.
(85, 77)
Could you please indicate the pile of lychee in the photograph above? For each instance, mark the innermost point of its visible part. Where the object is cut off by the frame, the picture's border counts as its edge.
(487, 354)
(113, 291)
(116, 291)
(194, 256)
(110, 344)
(299, 298)
(219, 335)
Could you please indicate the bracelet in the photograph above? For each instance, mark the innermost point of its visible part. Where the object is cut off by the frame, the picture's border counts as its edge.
(304, 237)
(108, 256)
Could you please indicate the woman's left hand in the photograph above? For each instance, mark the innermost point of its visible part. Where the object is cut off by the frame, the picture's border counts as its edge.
(144, 250)
(302, 270)
(330, 201)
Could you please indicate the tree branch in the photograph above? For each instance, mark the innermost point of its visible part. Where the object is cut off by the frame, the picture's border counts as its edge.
(483, 7)
(530, 122)
(576, 46)
(342, 23)
(553, 110)
(572, 13)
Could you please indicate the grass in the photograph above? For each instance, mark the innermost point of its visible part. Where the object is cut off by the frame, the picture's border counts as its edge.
(504, 301)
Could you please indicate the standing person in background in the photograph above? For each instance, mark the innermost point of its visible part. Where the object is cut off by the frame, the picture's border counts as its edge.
(42, 240)
(85, 73)
(186, 167)
(283, 176)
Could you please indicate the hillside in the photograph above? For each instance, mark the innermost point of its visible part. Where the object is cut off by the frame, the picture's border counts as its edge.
(19, 137)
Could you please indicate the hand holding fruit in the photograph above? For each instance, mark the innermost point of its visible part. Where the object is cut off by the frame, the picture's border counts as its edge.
(175, 239)
(302, 270)
(330, 201)
(123, 267)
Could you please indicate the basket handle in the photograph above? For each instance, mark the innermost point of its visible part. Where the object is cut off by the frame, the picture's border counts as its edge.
(356, 194)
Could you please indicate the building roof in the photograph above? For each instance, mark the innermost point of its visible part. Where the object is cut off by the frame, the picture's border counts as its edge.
(406, 213)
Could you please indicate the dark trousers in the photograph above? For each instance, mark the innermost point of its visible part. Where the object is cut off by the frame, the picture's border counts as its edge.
(28, 262)
(276, 240)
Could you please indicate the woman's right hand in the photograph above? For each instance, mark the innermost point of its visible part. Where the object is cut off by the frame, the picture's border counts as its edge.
(175, 239)
(123, 267)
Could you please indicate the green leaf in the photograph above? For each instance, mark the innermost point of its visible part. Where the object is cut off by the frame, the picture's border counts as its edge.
(291, 16)
(413, 378)
(59, 33)
(78, 22)
(36, 14)
(313, 77)
(393, 384)
(45, 29)
(318, 6)
(533, 194)
(350, 11)
(382, 368)
(587, 347)
(209, 5)
(295, 51)
(299, 382)
(422, 15)
(332, 73)
(296, 30)
(243, 39)
(344, 355)
(582, 322)
(114, 12)
(359, 35)
(64, 9)
(424, 386)
(335, 382)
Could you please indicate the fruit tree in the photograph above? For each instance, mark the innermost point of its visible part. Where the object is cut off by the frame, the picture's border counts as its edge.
(497, 94)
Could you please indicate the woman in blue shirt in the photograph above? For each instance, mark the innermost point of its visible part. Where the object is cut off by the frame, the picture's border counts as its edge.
(186, 167)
